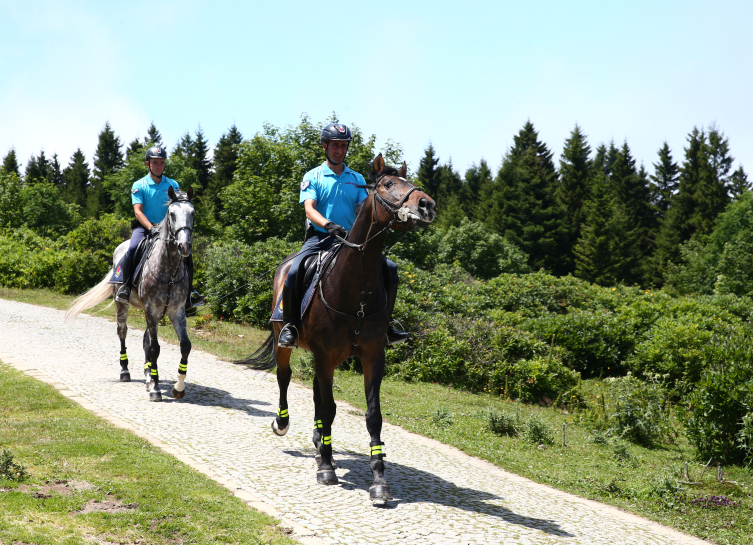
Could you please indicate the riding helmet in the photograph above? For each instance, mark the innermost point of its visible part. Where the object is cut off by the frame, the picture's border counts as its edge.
(156, 152)
(336, 131)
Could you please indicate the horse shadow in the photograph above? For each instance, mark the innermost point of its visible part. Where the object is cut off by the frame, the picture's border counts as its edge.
(411, 485)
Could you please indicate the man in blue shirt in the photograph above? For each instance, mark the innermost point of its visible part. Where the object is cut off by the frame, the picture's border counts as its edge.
(330, 196)
(150, 202)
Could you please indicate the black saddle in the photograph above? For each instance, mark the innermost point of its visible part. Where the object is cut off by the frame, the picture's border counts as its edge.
(142, 252)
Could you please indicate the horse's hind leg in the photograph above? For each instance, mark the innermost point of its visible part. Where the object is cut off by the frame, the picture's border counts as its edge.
(373, 371)
(325, 409)
(122, 316)
(179, 324)
(151, 352)
(281, 423)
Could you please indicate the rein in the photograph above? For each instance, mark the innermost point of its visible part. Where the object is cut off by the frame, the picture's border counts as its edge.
(395, 209)
(170, 238)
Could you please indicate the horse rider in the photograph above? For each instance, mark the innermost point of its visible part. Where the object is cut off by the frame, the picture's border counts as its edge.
(330, 196)
(150, 202)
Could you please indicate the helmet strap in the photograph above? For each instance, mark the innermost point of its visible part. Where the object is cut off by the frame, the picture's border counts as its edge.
(150, 170)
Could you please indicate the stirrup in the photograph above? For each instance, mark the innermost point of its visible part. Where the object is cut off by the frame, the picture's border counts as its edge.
(195, 299)
(124, 294)
(397, 336)
(288, 328)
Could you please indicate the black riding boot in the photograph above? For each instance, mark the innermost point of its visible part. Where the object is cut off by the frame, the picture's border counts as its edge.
(394, 335)
(289, 334)
(194, 299)
(124, 292)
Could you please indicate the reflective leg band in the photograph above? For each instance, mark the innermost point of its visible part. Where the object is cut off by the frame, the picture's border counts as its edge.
(146, 365)
(182, 368)
(282, 413)
(377, 449)
(123, 357)
(154, 372)
(327, 440)
(318, 424)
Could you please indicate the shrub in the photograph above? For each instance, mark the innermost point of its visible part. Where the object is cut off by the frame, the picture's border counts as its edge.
(10, 469)
(537, 431)
(442, 417)
(239, 278)
(503, 423)
(638, 414)
(745, 438)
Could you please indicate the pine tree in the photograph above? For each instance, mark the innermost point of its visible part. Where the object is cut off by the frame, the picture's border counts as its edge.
(665, 180)
(76, 179)
(522, 205)
(108, 159)
(199, 160)
(225, 164)
(135, 148)
(10, 163)
(478, 179)
(715, 196)
(153, 136)
(449, 193)
(427, 172)
(38, 169)
(55, 174)
(573, 188)
(184, 147)
(738, 183)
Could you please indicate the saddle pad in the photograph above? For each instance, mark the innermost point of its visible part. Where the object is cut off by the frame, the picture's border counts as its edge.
(142, 251)
(310, 289)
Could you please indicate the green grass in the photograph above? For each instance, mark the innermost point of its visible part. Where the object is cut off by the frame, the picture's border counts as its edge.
(645, 481)
(59, 442)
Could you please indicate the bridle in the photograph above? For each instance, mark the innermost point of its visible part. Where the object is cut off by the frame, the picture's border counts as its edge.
(171, 238)
(400, 214)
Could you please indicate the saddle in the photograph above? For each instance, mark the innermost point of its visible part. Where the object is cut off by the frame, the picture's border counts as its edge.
(142, 252)
(306, 283)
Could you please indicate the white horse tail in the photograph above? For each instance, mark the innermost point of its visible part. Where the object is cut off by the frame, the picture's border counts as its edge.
(91, 298)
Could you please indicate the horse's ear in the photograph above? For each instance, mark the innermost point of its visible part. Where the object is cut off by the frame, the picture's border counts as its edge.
(190, 193)
(171, 193)
(378, 163)
(403, 170)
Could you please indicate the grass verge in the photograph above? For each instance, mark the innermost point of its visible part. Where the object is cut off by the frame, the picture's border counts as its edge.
(89, 482)
(651, 482)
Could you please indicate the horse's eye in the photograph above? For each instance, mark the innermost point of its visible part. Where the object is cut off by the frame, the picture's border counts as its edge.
(389, 184)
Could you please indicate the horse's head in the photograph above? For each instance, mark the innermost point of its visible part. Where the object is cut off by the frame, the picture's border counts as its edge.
(180, 219)
(399, 199)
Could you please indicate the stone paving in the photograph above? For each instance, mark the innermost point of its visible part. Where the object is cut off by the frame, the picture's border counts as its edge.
(222, 428)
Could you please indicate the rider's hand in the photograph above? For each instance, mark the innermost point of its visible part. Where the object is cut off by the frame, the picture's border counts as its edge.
(334, 229)
(154, 231)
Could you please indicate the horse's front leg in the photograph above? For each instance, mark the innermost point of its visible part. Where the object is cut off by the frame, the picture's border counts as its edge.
(324, 415)
(373, 371)
(151, 352)
(178, 319)
(281, 423)
(122, 317)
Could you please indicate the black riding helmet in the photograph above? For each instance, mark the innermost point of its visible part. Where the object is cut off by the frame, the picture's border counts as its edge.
(156, 152)
(335, 131)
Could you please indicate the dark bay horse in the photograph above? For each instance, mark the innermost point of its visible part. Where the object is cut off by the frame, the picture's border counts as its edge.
(349, 317)
(161, 288)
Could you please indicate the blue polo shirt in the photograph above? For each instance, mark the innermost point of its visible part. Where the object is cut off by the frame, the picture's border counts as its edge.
(336, 196)
(153, 196)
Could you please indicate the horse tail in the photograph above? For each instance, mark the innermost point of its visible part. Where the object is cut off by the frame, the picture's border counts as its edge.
(91, 298)
(264, 357)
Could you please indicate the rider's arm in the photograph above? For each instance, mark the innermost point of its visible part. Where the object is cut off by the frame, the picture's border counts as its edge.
(138, 209)
(311, 213)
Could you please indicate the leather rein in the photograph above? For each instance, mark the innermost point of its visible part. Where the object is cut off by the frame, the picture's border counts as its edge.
(395, 209)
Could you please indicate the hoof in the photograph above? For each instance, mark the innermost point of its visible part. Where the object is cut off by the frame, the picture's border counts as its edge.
(379, 492)
(178, 395)
(318, 460)
(155, 396)
(326, 476)
(125, 376)
(279, 431)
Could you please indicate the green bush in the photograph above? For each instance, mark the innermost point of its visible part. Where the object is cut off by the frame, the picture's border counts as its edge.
(537, 431)
(504, 423)
(745, 438)
(239, 278)
(10, 469)
(639, 414)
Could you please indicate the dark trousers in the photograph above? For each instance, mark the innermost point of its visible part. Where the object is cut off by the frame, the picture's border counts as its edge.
(139, 234)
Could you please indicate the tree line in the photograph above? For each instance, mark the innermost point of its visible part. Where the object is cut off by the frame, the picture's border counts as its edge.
(596, 214)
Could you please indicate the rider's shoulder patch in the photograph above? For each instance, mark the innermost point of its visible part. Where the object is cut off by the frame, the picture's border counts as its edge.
(134, 190)
(305, 184)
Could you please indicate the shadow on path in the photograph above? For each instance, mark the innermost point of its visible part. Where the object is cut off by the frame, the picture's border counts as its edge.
(411, 485)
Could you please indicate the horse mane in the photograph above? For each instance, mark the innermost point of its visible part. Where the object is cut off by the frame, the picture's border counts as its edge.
(181, 196)
(386, 171)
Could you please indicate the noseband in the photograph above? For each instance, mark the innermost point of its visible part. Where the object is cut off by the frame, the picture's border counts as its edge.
(399, 213)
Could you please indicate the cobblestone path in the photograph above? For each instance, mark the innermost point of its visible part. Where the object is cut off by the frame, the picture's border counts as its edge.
(222, 427)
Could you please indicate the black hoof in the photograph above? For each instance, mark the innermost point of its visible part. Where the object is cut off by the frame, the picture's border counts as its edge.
(279, 431)
(125, 376)
(380, 492)
(326, 476)
(178, 395)
(155, 396)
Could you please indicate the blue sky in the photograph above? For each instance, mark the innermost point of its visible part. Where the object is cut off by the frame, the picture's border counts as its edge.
(463, 75)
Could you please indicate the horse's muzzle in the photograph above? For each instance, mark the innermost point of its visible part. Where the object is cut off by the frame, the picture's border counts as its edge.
(184, 249)
(426, 211)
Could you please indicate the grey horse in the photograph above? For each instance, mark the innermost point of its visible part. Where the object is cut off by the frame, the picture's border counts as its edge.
(162, 288)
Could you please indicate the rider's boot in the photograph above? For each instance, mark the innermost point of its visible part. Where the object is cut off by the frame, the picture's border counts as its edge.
(289, 334)
(124, 292)
(194, 299)
(394, 335)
